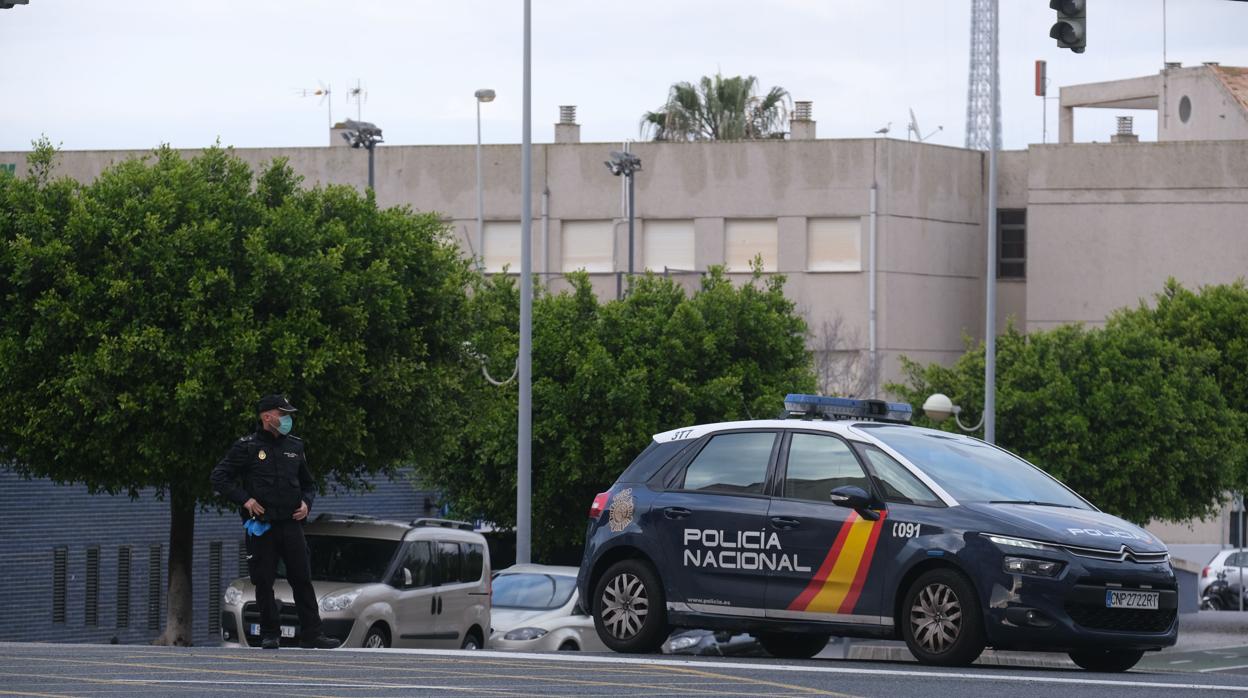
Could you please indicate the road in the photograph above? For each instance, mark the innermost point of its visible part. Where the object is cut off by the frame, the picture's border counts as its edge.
(51, 670)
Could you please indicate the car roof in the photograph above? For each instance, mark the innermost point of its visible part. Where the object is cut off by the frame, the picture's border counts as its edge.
(844, 427)
(557, 570)
(357, 526)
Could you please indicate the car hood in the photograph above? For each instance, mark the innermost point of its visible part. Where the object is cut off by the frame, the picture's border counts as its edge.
(1080, 527)
(281, 589)
(504, 619)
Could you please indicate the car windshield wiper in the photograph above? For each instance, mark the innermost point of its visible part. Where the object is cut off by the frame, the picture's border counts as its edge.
(1032, 502)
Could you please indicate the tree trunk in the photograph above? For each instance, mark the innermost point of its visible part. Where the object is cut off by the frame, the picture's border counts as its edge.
(179, 620)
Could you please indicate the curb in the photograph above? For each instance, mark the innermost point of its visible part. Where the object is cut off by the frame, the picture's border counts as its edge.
(988, 658)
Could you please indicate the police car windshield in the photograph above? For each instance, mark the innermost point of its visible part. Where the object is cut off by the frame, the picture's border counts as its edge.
(349, 558)
(973, 471)
(532, 591)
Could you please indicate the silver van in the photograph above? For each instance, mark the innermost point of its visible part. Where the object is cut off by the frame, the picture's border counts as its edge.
(380, 584)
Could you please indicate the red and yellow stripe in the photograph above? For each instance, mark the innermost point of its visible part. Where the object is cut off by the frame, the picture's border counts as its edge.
(837, 584)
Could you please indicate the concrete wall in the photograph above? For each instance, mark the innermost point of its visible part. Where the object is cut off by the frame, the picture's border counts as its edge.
(1215, 113)
(1107, 224)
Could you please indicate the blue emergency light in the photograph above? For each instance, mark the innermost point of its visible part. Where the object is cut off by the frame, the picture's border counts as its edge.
(811, 406)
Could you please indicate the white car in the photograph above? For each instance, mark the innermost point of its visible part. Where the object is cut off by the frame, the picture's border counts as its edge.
(535, 608)
(1231, 561)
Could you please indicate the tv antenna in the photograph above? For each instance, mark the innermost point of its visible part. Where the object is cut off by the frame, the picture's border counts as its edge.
(323, 92)
(360, 94)
(913, 128)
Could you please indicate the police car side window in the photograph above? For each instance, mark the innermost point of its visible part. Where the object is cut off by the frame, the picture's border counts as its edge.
(819, 464)
(732, 463)
(897, 483)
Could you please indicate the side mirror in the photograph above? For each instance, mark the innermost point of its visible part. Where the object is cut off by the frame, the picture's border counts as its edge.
(407, 577)
(855, 498)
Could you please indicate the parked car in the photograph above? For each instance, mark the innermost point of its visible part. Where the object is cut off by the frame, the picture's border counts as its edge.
(841, 518)
(536, 607)
(1228, 561)
(425, 583)
(1223, 595)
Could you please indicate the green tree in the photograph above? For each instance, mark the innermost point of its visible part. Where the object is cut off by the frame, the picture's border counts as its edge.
(607, 377)
(143, 314)
(719, 109)
(1130, 419)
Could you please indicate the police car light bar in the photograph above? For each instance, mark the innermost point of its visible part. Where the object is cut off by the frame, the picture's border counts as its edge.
(808, 406)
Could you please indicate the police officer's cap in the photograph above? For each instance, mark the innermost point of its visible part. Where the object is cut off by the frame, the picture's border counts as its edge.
(274, 402)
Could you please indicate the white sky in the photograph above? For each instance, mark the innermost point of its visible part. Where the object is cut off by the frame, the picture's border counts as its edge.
(97, 74)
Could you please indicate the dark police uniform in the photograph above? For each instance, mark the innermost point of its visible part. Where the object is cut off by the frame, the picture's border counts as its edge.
(274, 470)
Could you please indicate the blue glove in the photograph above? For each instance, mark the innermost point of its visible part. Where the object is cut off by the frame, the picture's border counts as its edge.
(256, 528)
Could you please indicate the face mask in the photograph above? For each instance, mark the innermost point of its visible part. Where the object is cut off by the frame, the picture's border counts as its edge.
(284, 424)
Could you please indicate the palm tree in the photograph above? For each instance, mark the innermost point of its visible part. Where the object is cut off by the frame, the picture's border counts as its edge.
(719, 109)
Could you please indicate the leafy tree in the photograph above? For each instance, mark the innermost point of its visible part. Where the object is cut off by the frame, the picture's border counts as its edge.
(719, 109)
(607, 377)
(143, 315)
(1130, 419)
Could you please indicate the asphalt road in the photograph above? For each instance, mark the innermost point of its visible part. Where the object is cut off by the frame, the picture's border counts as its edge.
(102, 670)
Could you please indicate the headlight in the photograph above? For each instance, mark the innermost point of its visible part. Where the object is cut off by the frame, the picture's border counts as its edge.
(525, 634)
(233, 596)
(339, 601)
(682, 643)
(1026, 565)
(1017, 542)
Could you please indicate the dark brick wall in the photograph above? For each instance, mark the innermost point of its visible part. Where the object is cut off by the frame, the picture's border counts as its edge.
(38, 516)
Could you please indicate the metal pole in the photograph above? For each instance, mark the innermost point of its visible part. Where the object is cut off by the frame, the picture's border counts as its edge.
(871, 308)
(990, 324)
(370, 167)
(630, 228)
(480, 206)
(525, 431)
(1243, 530)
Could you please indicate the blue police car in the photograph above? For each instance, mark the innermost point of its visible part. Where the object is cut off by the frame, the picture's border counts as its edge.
(843, 519)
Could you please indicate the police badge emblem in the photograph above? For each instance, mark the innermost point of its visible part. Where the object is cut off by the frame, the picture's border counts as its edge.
(621, 510)
(262, 455)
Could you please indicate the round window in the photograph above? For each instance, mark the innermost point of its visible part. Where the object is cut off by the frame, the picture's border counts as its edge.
(1185, 109)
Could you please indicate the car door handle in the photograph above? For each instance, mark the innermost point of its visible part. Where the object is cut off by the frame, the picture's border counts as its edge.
(439, 605)
(433, 605)
(676, 512)
(784, 523)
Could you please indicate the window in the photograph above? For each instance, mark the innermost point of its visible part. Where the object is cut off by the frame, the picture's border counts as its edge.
(214, 586)
(532, 591)
(123, 586)
(819, 464)
(347, 558)
(744, 239)
(668, 245)
(153, 586)
(450, 565)
(1012, 244)
(501, 246)
(897, 483)
(588, 245)
(418, 562)
(833, 244)
(734, 463)
(91, 599)
(60, 569)
(474, 561)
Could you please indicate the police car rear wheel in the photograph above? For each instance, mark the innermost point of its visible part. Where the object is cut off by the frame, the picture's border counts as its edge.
(791, 645)
(942, 623)
(1106, 660)
(629, 609)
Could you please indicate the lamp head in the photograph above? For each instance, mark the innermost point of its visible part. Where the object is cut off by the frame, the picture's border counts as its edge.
(938, 407)
(484, 95)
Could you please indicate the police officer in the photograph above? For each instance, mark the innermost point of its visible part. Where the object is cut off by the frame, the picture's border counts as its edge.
(275, 494)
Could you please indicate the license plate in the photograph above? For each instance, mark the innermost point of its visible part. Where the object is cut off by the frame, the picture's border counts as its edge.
(1131, 599)
(287, 630)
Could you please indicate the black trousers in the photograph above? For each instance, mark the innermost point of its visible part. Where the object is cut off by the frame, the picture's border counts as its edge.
(284, 540)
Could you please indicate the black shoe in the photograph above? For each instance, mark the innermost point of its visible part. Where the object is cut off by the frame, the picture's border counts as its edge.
(320, 642)
(271, 643)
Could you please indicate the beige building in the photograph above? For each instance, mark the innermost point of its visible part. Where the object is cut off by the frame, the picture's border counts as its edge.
(1085, 227)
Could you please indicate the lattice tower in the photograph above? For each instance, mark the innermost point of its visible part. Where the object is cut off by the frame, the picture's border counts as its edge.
(979, 83)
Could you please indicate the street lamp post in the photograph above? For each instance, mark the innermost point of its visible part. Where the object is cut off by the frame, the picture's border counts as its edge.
(363, 134)
(483, 95)
(626, 164)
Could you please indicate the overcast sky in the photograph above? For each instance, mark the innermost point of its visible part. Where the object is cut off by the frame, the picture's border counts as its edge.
(102, 74)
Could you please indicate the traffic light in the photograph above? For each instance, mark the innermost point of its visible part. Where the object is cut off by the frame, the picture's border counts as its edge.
(1071, 28)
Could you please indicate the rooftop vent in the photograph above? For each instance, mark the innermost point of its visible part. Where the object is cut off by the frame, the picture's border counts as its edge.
(567, 114)
(802, 111)
(1212, 64)
(1126, 132)
(1173, 64)
(567, 130)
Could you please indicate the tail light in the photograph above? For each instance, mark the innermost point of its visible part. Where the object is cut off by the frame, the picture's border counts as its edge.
(1205, 572)
(599, 505)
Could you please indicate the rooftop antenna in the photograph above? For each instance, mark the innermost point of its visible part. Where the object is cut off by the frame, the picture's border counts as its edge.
(913, 127)
(360, 94)
(323, 92)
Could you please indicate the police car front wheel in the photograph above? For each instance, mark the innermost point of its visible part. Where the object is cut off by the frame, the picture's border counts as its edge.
(942, 623)
(629, 609)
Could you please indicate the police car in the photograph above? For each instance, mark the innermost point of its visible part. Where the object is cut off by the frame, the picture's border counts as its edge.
(843, 519)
